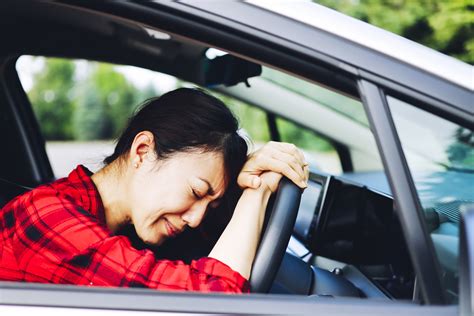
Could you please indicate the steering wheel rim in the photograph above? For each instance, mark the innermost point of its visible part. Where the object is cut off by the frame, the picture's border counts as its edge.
(275, 236)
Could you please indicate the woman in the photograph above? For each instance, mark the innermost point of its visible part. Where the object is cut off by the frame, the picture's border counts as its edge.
(174, 161)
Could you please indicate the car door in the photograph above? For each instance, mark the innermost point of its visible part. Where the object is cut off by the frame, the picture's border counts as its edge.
(202, 25)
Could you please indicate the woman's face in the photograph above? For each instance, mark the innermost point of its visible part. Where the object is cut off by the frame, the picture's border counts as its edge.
(166, 196)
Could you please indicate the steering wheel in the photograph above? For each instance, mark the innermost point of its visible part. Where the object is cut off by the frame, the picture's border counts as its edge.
(275, 235)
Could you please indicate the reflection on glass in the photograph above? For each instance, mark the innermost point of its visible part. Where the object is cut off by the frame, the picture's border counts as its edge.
(440, 155)
(344, 105)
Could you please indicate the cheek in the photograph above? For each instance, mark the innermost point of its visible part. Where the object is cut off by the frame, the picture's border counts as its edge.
(144, 206)
(149, 202)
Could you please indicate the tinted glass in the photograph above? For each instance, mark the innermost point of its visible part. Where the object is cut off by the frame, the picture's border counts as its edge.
(349, 107)
(440, 155)
(319, 152)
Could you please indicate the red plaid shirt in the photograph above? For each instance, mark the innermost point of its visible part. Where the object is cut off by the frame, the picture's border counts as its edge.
(56, 233)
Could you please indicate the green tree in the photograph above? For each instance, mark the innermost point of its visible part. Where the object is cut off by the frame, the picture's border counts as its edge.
(252, 119)
(302, 137)
(90, 118)
(106, 102)
(444, 25)
(52, 98)
(96, 106)
(115, 94)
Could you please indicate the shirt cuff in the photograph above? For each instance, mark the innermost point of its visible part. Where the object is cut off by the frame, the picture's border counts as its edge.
(216, 268)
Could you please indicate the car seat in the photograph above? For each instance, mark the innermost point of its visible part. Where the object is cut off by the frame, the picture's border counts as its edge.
(8, 190)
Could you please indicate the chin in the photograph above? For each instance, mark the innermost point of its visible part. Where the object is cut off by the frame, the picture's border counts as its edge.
(150, 239)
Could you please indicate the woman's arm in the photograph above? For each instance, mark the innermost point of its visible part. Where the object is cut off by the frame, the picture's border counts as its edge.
(238, 243)
(259, 177)
(52, 240)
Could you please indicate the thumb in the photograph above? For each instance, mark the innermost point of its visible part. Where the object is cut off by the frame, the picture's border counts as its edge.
(249, 181)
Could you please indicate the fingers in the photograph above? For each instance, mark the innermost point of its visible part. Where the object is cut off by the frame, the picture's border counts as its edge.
(285, 169)
(293, 162)
(271, 179)
(290, 154)
(290, 149)
(283, 158)
(248, 180)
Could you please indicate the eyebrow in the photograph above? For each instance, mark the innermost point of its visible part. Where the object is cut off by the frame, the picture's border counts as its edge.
(210, 190)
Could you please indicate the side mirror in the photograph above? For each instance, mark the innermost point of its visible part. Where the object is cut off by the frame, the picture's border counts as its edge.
(466, 261)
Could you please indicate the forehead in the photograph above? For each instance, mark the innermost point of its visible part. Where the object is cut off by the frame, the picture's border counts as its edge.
(205, 158)
(203, 165)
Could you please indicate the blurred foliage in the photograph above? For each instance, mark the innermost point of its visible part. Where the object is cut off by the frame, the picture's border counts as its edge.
(302, 137)
(444, 25)
(461, 151)
(252, 119)
(52, 98)
(90, 119)
(117, 99)
(90, 108)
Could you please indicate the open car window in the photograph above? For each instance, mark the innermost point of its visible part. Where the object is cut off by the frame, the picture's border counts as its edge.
(82, 106)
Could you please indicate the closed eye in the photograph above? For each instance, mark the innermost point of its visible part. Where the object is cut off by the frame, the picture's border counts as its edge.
(196, 195)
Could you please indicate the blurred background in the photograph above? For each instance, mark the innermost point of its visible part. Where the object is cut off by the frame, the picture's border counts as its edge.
(444, 25)
(82, 106)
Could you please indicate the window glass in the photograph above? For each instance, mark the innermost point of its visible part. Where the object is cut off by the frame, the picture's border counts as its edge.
(440, 155)
(251, 119)
(319, 152)
(327, 112)
(349, 107)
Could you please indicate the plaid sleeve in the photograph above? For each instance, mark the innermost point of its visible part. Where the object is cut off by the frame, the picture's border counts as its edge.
(57, 242)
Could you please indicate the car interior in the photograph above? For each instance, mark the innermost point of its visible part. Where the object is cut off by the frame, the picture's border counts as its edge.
(346, 239)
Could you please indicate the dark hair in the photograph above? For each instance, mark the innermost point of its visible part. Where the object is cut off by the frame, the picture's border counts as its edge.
(185, 120)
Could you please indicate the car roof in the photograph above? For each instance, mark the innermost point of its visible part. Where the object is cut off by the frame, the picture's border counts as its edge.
(263, 23)
(374, 38)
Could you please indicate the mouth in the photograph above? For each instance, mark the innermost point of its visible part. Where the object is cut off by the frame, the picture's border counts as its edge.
(170, 229)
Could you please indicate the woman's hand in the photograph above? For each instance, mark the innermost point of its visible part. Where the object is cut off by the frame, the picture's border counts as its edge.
(270, 180)
(259, 177)
(282, 158)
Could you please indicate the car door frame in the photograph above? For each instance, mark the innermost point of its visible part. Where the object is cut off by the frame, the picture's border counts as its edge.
(410, 212)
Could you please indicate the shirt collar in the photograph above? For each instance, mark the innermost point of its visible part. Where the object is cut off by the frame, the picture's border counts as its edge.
(87, 193)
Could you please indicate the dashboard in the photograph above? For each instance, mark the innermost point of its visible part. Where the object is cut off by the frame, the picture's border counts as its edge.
(349, 223)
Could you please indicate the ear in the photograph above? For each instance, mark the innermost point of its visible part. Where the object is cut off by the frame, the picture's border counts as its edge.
(143, 146)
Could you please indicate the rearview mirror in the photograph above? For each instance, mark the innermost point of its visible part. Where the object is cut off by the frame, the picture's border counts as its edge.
(228, 70)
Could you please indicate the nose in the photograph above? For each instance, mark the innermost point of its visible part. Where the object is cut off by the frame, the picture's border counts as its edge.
(194, 215)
